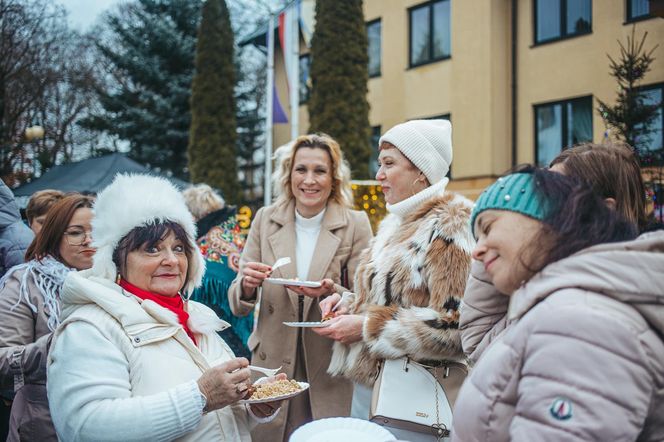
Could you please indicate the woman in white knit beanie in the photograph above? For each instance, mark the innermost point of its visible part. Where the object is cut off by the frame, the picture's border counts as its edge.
(409, 284)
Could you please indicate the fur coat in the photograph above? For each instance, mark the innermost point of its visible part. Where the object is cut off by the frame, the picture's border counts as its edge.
(409, 285)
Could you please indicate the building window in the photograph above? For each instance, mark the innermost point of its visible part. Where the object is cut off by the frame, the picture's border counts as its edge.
(373, 161)
(429, 32)
(638, 10)
(556, 19)
(303, 84)
(654, 140)
(560, 125)
(373, 37)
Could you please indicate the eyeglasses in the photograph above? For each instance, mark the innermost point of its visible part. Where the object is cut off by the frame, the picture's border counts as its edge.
(77, 237)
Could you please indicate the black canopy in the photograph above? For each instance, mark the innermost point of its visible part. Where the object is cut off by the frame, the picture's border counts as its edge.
(90, 175)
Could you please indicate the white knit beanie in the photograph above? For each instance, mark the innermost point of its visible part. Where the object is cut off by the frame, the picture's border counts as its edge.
(426, 143)
(139, 200)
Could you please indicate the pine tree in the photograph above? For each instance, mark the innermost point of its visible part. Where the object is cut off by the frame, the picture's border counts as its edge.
(150, 53)
(250, 97)
(212, 152)
(338, 104)
(632, 117)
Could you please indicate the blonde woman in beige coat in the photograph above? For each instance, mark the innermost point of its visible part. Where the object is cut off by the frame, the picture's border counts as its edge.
(312, 224)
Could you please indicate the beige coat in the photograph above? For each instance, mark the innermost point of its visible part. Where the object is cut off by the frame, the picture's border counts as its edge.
(343, 236)
(24, 341)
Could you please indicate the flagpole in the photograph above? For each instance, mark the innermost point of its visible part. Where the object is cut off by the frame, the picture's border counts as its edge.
(267, 196)
(294, 76)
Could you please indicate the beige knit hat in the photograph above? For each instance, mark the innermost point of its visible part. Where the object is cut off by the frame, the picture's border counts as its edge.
(426, 143)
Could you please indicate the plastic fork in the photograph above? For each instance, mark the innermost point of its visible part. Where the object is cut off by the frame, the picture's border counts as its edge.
(265, 371)
(280, 262)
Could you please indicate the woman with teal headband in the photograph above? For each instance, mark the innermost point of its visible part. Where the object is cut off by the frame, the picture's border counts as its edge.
(579, 354)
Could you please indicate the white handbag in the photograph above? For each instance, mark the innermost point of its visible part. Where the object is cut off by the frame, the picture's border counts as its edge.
(417, 397)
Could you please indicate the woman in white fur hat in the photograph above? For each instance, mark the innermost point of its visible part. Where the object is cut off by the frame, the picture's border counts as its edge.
(133, 359)
(409, 283)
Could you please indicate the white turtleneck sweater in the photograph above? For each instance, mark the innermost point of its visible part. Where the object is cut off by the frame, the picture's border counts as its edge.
(306, 236)
(398, 211)
(407, 206)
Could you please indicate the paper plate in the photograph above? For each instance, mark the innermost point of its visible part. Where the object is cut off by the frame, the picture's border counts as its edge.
(293, 282)
(308, 324)
(303, 385)
(337, 429)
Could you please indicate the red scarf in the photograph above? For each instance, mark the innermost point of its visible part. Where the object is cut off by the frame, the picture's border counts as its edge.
(172, 303)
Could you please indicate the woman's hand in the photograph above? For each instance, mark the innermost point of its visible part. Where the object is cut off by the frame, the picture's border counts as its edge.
(346, 329)
(253, 274)
(327, 304)
(225, 384)
(326, 287)
(267, 409)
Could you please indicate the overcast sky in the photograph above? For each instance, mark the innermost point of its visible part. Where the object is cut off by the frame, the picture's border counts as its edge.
(83, 13)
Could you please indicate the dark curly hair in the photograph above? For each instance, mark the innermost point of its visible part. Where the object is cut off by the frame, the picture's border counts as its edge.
(576, 217)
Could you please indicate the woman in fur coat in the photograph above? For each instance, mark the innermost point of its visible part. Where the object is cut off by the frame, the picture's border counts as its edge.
(410, 281)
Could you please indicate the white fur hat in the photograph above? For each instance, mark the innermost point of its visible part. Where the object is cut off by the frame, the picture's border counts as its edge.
(426, 143)
(138, 200)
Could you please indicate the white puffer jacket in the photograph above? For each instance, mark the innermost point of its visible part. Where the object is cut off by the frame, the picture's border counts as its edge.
(125, 370)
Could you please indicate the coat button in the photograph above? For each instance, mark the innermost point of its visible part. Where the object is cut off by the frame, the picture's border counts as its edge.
(262, 355)
(270, 309)
(137, 339)
(287, 361)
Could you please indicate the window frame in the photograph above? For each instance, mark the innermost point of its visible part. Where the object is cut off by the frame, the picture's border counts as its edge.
(304, 100)
(628, 17)
(428, 4)
(564, 129)
(563, 25)
(373, 158)
(659, 86)
(380, 67)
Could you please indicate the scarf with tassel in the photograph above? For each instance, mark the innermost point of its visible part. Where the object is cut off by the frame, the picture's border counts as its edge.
(48, 274)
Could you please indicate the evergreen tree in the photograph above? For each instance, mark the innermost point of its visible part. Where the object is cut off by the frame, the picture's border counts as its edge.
(250, 98)
(212, 152)
(632, 117)
(149, 53)
(338, 103)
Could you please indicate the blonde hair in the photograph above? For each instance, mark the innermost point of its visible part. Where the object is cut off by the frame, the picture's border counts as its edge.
(202, 200)
(341, 191)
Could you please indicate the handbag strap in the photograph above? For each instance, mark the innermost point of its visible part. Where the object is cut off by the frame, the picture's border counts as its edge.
(441, 430)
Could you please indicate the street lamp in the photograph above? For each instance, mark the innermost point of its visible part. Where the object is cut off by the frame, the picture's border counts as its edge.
(34, 133)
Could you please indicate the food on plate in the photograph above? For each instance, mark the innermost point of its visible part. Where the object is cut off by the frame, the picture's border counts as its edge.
(274, 389)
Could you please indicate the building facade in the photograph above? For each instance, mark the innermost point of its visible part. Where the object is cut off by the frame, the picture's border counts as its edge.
(519, 79)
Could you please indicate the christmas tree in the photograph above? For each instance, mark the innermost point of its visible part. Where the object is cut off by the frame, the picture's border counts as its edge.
(633, 116)
(148, 50)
